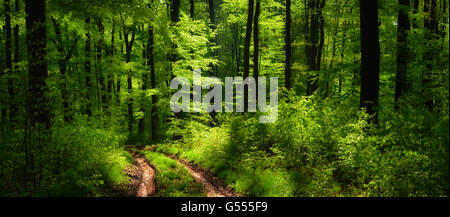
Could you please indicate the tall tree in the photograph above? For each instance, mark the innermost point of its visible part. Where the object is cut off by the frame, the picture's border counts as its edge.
(212, 19)
(256, 42)
(64, 57)
(16, 53)
(151, 63)
(403, 27)
(315, 38)
(192, 9)
(8, 59)
(175, 18)
(415, 12)
(37, 60)
(128, 48)
(248, 35)
(431, 25)
(370, 57)
(175, 11)
(87, 65)
(101, 83)
(288, 48)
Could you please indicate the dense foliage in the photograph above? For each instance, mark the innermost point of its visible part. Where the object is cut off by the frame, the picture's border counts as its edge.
(356, 116)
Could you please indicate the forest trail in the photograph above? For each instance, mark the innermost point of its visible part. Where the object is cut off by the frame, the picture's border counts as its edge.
(146, 180)
(213, 186)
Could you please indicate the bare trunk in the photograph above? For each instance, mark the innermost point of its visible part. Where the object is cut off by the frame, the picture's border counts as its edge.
(370, 57)
(248, 35)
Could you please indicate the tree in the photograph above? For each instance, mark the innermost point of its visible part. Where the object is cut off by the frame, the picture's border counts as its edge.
(248, 35)
(175, 11)
(8, 59)
(101, 83)
(287, 49)
(370, 57)
(403, 27)
(128, 48)
(192, 9)
(64, 57)
(37, 60)
(87, 66)
(175, 18)
(151, 63)
(431, 25)
(315, 37)
(212, 19)
(256, 43)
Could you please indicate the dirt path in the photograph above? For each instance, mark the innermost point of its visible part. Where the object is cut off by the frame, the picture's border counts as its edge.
(213, 186)
(146, 185)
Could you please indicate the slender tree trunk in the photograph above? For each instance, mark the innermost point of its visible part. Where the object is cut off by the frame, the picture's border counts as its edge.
(128, 48)
(99, 67)
(87, 65)
(151, 63)
(192, 9)
(110, 76)
(212, 19)
(16, 56)
(256, 43)
(64, 57)
(238, 41)
(402, 50)
(415, 12)
(370, 57)
(344, 35)
(213, 53)
(175, 18)
(143, 88)
(314, 42)
(288, 48)
(248, 35)
(431, 25)
(8, 59)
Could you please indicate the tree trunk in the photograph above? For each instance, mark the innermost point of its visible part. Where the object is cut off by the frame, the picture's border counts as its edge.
(110, 76)
(370, 57)
(175, 11)
(212, 19)
(175, 18)
(87, 65)
(143, 88)
(16, 56)
(37, 60)
(192, 9)
(248, 35)
(288, 48)
(99, 67)
(256, 43)
(314, 42)
(128, 48)
(402, 50)
(8, 60)
(64, 57)
(431, 25)
(415, 12)
(151, 63)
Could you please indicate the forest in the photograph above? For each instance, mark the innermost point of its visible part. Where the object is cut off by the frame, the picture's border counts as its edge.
(86, 110)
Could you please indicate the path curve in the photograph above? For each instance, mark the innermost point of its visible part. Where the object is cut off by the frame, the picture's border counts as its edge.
(213, 186)
(147, 185)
